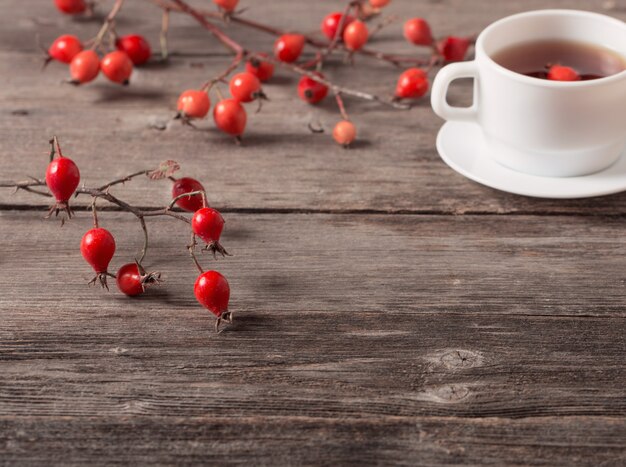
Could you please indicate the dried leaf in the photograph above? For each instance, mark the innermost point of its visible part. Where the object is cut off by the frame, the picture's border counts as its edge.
(165, 169)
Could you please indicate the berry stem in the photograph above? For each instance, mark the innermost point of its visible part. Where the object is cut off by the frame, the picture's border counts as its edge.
(106, 26)
(188, 195)
(165, 27)
(239, 56)
(94, 212)
(191, 248)
(55, 149)
(342, 107)
(144, 249)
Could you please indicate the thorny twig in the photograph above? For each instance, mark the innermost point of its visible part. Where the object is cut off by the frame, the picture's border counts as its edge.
(102, 192)
(393, 59)
(241, 53)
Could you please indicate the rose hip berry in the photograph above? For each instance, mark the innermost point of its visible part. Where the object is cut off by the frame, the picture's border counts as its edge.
(65, 48)
(355, 35)
(128, 280)
(379, 3)
(261, 69)
(230, 117)
(213, 292)
(207, 223)
(412, 84)
(330, 24)
(453, 49)
(98, 247)
(245, 87)
(310, 90)
(84, 67)
(417, 31)
(188, 185)
(136, 47)
(227, 5)
(193, 104)
(344, 133)
(562, 73)
(132, 279)
(288, 47)
(71, 7)
(62, 178)
(117, 66)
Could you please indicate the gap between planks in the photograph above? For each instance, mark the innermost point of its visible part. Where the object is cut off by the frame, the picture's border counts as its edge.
(365, 211)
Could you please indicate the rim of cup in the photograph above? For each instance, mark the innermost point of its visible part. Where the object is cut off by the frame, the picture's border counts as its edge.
(543, 82)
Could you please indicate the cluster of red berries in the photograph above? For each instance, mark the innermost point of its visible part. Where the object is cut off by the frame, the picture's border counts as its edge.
(229, 115)
(85, 64)
(347, 29)
(98, 244)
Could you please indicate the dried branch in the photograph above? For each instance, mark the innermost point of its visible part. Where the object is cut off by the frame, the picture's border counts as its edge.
(396, 60)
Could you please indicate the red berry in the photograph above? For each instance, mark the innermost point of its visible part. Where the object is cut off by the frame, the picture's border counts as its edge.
(245, 87)
(128, 280)
(62, 178)
(207, 223)
(230, 117)
(344, 132)
(136, 47)
(355, 35)
(412, 84)
(259, 68)
(330, 23)
(84, 67)
(65, 48)
(98, 247)
(194, 104)
(187, 185)
(71, 7)
(212, 292)
(453, 49)
(310, 90)
(117, 66)
(417, 31)
(288, 47)
(379, 3)
(562, 73)
(226, 5)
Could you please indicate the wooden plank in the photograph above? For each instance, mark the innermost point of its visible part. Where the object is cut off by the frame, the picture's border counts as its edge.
(454, 345)
(298, 440)
(521, 265)
(110, 130)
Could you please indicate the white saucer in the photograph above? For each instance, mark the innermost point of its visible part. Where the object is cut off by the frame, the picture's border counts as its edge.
(460, 145)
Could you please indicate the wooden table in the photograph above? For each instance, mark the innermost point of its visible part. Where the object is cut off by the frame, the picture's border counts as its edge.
(388, 311)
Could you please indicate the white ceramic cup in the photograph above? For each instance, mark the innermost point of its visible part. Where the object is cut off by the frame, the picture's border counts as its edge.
(536, 126)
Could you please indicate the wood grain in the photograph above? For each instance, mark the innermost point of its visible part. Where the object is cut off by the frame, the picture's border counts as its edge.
(282, 166)
(387, 311)
(454, 345)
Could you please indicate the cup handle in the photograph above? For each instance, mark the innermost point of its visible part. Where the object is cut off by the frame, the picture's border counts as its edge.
(440, 90)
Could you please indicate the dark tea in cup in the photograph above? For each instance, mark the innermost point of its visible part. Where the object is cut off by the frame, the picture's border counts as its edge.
(536, 58)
